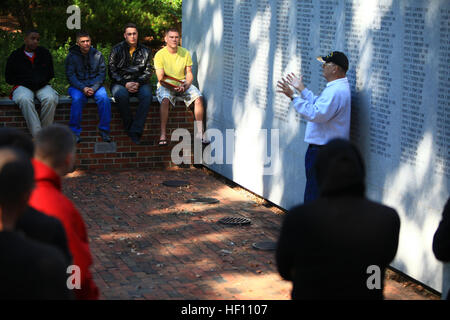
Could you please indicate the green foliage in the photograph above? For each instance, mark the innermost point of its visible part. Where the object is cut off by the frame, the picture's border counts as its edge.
(104, 20)
(8, 43)
(59, 82)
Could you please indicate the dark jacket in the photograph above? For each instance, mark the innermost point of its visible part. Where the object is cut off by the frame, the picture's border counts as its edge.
(38, 226)
(326, 246)
(85, 70)
(31, 270)
(441, 239)
(20, 71)
(123, 68)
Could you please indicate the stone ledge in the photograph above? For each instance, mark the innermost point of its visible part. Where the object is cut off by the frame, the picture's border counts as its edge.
(6, 101)
(123, 154)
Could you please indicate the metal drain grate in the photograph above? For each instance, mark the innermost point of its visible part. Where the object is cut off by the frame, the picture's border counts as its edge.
(175, 183)
(265, 245)
(235, 221)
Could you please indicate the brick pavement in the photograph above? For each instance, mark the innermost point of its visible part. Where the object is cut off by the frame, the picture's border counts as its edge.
(148, 243)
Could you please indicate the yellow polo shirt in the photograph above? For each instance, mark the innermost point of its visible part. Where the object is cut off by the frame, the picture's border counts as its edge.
(173, 64)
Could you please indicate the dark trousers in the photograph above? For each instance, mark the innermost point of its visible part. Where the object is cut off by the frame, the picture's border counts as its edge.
(122, 98)
(311, 188)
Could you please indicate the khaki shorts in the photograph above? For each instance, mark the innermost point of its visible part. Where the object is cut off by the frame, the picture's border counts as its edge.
(189, 96)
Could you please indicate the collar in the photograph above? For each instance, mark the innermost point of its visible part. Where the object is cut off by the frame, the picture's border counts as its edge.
(43, 173)
(128, 46)
(344, 79)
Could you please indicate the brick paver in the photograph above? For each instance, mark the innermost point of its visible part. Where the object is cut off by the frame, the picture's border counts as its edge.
(148, 243)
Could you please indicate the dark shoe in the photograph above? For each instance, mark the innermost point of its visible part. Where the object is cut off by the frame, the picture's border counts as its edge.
(135, 138)
(105, 136)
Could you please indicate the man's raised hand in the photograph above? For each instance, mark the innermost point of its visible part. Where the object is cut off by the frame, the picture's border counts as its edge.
(297, 83)
(283, 87)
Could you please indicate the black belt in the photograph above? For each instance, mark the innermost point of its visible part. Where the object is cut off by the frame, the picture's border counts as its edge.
(315, 145)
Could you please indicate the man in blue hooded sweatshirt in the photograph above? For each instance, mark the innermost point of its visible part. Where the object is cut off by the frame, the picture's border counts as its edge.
(86, 72)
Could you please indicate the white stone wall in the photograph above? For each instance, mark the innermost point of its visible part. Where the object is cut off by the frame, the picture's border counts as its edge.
(400, 78)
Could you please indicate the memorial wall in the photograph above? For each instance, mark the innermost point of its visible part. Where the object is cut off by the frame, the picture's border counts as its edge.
(399, 54)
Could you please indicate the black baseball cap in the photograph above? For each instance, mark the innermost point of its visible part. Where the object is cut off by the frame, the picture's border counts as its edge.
(336, 57)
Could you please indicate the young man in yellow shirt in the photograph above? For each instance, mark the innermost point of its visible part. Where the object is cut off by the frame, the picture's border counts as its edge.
(175, 62)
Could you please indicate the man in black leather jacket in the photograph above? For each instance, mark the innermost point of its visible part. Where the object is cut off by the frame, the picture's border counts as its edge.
(130, 69)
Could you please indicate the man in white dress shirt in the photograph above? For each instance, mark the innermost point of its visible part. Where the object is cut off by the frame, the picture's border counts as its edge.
(328, 114)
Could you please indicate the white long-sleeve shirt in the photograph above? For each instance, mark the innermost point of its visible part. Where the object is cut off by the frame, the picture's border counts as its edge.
(328, 115)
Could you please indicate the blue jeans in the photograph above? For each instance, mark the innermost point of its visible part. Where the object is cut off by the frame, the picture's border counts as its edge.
(79, 101)
(311, 188)
(122, 97)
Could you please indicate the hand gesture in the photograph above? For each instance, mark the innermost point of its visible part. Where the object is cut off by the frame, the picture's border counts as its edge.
(283, 86)
(297, 83)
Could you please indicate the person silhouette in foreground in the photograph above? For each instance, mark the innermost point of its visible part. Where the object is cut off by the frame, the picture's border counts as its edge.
(441, 244)
(54, 158)
(29, 269)
(35, 224)
(332, 248)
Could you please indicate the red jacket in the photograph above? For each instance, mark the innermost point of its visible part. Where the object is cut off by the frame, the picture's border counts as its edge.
(48, 198)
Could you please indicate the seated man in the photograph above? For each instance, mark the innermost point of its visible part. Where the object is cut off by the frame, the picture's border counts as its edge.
(130, 70)
(29, 69)
(86, 72)
(176, 62)
(29, 269)
(339, 236)
(54, 158)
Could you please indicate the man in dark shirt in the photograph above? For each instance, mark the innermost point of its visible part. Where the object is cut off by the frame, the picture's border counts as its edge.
(441, 246)
(29, 70)
(345, 240)
(33, 223)
(28, 269)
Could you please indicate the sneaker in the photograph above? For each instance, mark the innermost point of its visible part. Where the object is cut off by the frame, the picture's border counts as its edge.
(105, 136)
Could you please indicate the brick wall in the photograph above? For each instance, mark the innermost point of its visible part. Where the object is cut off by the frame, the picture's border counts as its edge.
(127, 155)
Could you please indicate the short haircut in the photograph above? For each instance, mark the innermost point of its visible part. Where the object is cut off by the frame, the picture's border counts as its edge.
(172, 29)
(81, 34)
(54, 143)
(13, 137)
(16, 176)
(27, 32)
(129, 25)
